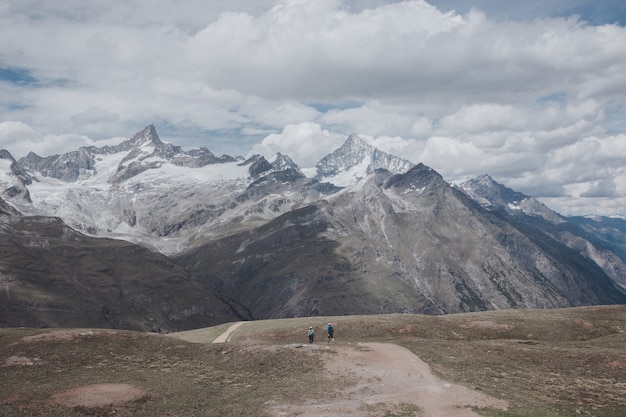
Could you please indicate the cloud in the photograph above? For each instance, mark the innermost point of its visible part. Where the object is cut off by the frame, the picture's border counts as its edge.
(524, 91)
(94, 116)
(19, 139)
(604, 188)
(306, 143)
(375, 118)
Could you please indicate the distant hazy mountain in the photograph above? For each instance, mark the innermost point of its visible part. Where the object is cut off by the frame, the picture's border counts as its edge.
(255, 238)
(356, 159)
(494, 196)
(611, 231)
(530, 214)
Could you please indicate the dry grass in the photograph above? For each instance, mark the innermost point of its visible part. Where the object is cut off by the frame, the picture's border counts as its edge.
(183, 379)
(568, 362)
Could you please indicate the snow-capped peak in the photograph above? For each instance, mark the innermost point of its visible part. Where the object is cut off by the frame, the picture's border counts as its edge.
(354, 160)
(148, 136)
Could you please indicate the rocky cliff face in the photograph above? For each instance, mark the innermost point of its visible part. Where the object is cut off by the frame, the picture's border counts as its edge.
(66, 167)
(6, 210)
(14, 180)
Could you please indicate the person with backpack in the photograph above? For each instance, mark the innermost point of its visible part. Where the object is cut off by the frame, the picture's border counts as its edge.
(311, 334)
(331, 333)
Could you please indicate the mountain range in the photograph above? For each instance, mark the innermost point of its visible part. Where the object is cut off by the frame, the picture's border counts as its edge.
(146, 235)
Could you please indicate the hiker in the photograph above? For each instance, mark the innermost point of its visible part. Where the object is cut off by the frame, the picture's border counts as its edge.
(331, 333)
(311, 334)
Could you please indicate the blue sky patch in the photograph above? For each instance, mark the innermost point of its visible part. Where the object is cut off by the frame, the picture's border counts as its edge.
(559, 97)
(615, 119)
(17, 76)
(342, 105)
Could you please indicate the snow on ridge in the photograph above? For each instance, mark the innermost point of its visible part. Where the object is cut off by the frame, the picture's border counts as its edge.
(94, 201)
(209, 173)
(350, 176)
(105, 166)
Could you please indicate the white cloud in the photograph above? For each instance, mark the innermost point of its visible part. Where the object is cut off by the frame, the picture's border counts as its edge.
(94, 116)
(373, 118)
(306, 143)
(19, 139)
(524, 99)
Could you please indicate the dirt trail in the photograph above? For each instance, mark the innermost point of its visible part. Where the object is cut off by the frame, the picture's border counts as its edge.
(386, 378)
(223, 338)
(388, 374)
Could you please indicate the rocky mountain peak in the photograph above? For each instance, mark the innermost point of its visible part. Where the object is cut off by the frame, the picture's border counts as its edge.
(417, 178)
(354, 160)
(147, 136)
(282, 162)
(258, 165)
(356, 145)
(494, 196)
(490, 193)
(13, 179)
(4, 154)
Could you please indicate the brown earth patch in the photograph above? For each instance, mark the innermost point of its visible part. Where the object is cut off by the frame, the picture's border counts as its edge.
(584, 324)
(99, 395)
(387, 380)
(16, 360)
(618, 363)
(63, 335)
(487, 325)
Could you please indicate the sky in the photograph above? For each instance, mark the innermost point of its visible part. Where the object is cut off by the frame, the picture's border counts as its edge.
(530, 92)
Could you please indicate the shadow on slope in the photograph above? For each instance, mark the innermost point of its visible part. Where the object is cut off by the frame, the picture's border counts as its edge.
(53, 276)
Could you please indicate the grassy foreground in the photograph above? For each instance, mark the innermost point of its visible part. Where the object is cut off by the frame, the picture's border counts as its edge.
(566, 362)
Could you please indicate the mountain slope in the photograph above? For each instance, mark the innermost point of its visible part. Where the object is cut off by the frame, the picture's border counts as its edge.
(610, 231)
(51, 275)
(536, 219)
(494, 196)
(13, 179)
(396, 243)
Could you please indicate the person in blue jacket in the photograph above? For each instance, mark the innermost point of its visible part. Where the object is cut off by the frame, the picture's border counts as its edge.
(331, 333)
